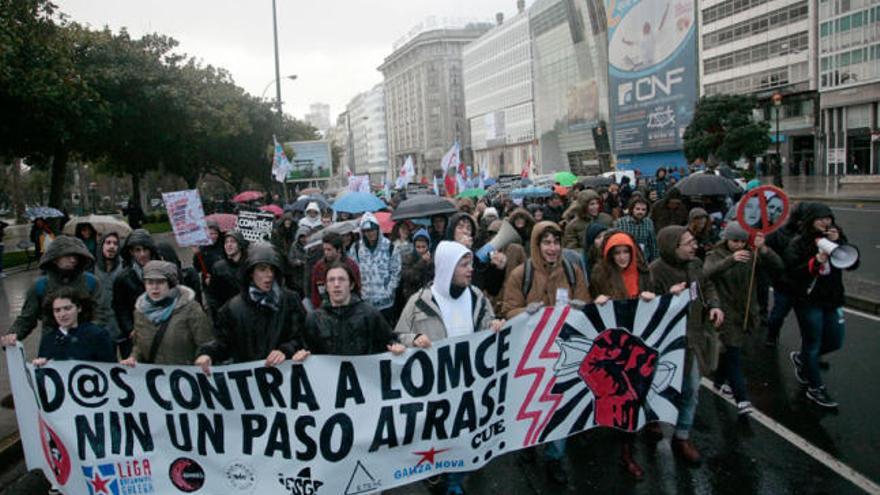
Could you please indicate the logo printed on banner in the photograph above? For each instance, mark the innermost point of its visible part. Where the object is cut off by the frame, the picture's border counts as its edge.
(186, 475)
(132, 477)
(55, 453)
(428, 462)
(613, 373)
(361, 481)
(301, 484)
(240, 476)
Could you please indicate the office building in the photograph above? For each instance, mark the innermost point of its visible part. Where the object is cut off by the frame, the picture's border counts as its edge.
(760, 48)
(424, 93)
(319, 117)
(849, 86)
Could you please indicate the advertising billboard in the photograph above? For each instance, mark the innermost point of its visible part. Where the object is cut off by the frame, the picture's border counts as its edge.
(311, 160)
(652, 73)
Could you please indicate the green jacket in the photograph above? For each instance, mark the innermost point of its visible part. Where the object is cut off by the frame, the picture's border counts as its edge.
(188, 329)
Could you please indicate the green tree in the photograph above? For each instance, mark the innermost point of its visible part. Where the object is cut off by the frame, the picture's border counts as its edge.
(724, 128)
(48, 107)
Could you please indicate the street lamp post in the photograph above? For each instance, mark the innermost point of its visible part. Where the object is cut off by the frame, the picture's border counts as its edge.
(777, 172)
(277, 70)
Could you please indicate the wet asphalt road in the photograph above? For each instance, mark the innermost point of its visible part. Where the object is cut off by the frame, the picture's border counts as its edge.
(860, 227)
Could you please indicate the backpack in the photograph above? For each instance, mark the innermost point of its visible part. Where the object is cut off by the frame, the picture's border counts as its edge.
(529, 272)
(42, 283)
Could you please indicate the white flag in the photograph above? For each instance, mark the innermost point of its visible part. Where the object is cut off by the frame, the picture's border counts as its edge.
(407, 173)
(451, 158)
(280, 164)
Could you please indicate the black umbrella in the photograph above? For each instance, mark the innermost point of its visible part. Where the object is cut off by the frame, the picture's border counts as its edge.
(423, 206)
(597, 181)
(302, 204)
(703, 184)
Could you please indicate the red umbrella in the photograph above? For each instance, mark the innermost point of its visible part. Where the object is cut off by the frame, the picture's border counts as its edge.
(226, 221)
(246, 196)
(386, 224)
(274, 209)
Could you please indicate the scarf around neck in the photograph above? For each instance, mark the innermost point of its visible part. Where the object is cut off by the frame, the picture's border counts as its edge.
(159, 311)
(269, 299)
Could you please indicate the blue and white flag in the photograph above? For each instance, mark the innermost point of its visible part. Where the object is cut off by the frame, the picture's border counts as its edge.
(280, 164)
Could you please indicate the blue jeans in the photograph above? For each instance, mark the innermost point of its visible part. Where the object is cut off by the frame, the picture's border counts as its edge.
(730, 372)
(690, 393)
(782, 303)
(555, 450)
(822, 332)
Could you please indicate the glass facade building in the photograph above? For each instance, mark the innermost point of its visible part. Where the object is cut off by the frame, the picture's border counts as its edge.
(849, 84)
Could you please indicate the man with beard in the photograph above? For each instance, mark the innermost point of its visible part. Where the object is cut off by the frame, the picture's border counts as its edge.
(108, 266)
(225, 282)
(640, 227)
(333, 253)
(64, 265)
(676, 270)
(262, 322)
(129, 285)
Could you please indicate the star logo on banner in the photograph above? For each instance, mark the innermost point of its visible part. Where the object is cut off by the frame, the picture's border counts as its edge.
(99, 485)
(428, 455)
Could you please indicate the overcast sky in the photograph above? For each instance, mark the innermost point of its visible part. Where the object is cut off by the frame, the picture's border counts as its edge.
(333, 46)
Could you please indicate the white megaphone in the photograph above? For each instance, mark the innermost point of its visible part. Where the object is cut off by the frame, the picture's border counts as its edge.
(506, 235)
(840, 256)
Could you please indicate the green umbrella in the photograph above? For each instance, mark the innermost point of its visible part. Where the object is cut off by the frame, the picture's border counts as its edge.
(472, 193)
(566, 179)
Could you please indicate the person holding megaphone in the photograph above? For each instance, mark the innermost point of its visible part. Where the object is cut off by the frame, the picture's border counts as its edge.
(815, 260)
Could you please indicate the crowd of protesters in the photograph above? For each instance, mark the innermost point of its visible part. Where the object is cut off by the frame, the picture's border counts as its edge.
(129, 300)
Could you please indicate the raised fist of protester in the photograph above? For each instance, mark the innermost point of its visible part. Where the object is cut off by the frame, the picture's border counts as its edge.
(274, 358)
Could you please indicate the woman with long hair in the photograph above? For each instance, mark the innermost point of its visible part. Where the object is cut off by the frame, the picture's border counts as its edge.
(622, 273)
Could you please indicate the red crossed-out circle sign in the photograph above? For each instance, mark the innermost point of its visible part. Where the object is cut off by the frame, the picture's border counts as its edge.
(763, 210)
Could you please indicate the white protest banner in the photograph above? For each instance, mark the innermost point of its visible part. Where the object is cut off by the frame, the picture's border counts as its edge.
(187, 217)
(352, 425)
(255, 226)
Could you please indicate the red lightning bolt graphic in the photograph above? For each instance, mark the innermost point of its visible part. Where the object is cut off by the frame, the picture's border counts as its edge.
(546, 396)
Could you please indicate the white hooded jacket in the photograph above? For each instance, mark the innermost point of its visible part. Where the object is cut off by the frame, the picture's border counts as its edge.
(456, 312)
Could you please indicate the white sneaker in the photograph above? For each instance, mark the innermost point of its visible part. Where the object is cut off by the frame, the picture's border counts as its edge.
(744, 407)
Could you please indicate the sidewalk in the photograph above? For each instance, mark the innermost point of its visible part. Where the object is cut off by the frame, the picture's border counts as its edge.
(822, 188)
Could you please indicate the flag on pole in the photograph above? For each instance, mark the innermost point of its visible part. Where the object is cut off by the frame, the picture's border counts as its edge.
(407, 173)
(280, 164)
(527, 169)
(452, 158)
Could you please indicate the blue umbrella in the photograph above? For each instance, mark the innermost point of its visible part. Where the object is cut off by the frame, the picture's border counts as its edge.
(43, 212)
(358, 202)
(531, 192)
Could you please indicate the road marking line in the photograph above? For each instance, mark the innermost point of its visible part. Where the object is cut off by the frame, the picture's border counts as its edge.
(808, 448)
(861, 314)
